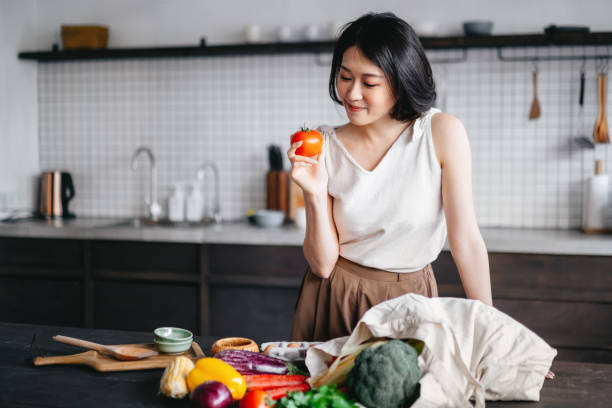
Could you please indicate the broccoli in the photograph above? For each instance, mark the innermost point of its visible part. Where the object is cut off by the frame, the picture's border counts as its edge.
(386, 376)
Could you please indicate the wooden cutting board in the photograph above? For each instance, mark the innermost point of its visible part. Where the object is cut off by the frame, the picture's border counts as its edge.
(103, 362)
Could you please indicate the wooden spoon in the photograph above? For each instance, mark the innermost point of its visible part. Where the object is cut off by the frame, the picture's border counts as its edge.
(119, 352)
(600, 132)
(534, 112)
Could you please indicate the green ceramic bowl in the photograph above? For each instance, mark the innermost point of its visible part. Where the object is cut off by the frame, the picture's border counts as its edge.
(172, 347)
(172, 335)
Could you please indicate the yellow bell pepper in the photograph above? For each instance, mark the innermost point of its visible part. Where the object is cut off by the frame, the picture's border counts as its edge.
(213, 369)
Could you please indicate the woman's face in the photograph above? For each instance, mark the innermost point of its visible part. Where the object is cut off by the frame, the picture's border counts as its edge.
(363, 88)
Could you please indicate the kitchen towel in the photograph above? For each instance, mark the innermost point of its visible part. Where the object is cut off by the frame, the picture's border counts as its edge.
(595, 203)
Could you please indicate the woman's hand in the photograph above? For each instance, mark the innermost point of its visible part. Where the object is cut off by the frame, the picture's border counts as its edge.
(320, 246)
(307, 172)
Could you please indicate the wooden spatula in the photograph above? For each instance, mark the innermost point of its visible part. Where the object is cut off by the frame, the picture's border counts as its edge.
(600, 132)
(119, 352)
(534, 112)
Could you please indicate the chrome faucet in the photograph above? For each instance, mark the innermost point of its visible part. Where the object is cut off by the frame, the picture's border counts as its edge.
(153, 208)
(215, 217)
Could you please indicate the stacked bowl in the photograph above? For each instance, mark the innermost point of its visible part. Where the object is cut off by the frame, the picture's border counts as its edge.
(172, 340)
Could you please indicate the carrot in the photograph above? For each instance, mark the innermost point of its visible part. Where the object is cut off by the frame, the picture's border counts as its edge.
(278, 393)
(267, 381)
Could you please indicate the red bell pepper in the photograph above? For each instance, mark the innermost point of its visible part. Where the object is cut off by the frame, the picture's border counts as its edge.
(268, 381)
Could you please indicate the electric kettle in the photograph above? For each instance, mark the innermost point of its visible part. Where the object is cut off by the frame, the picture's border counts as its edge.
(56, 190)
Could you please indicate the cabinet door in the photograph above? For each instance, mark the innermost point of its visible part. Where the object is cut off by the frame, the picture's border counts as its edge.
(55, 302)
(253, 290)
(144, 285)
(258, 312)
(41, 281)
(60, 254)
(565, 299)
(143, 306)
(145, 257)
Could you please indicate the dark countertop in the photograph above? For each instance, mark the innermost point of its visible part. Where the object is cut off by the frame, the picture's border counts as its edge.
(24, 385)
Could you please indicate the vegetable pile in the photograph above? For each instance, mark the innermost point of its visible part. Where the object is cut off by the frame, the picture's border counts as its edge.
(254, 379)
(380, 373)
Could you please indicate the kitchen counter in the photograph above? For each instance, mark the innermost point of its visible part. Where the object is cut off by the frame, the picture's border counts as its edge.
(234, 232)
(24, 385)
(509, 240)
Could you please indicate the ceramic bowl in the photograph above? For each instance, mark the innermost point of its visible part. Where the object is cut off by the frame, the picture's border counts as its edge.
(172, 335)
(172, 347)
(480, 27)
(269, 218)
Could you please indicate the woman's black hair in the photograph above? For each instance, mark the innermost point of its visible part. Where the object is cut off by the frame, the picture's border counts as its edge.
(391, 44)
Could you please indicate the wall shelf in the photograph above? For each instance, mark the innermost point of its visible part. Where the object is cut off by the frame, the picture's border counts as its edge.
(316, 47)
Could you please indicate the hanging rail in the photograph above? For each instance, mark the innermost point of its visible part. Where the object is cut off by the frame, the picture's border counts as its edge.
(535, 58)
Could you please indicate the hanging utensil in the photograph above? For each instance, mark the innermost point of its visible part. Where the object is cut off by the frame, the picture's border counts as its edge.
(535, 111)
(600, 132)
(124, 352)
(582, 139)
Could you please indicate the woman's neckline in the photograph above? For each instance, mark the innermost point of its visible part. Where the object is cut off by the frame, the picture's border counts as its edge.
(397, 140)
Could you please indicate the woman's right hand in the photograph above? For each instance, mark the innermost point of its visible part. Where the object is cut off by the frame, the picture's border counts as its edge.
(308, 172)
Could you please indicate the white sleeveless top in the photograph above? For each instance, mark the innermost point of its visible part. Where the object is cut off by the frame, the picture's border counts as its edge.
(390, 218)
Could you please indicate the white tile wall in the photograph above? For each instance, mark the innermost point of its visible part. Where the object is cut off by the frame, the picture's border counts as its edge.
(227, 110)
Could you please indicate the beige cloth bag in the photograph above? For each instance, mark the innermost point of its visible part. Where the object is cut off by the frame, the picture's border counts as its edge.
(472, 350)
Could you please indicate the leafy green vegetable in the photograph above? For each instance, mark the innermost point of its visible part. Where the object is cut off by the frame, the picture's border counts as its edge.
(327, 396)
(295, 370)
(386, 376)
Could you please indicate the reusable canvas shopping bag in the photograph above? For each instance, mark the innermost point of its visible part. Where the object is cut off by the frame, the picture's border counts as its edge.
(472, 351)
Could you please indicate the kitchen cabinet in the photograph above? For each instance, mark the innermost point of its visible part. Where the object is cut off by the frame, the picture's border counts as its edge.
(41, 281)
(106, 284)
(225, 290)
(565, 299)
(250, 290)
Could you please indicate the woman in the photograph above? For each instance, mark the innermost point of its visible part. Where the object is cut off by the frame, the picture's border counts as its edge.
(387, 187)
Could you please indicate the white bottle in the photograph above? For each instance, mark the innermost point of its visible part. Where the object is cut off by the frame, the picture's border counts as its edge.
(195, 203)
(176, 203)
(595, 201)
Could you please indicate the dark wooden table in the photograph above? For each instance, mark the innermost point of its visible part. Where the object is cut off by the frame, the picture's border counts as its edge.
(24, 385)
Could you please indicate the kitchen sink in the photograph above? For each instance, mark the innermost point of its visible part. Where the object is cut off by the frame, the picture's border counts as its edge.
(148, 223)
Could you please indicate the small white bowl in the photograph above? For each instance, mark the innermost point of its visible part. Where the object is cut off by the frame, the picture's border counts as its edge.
(284, 33)
(269, 218)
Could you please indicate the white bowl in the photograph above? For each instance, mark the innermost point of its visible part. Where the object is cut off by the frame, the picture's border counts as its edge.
(427, 28)
(269, 218)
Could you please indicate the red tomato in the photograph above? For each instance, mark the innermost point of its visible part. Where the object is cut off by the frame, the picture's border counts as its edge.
(254, 399)
(311, 142)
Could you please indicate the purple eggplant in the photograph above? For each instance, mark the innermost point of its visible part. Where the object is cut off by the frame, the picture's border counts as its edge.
(211, 394)
(248, 362)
